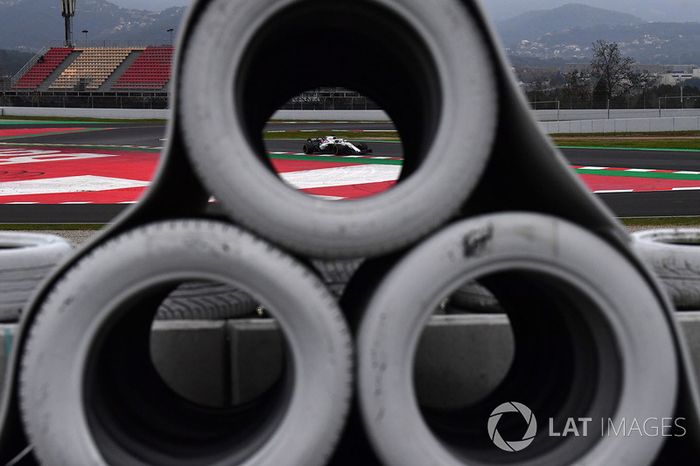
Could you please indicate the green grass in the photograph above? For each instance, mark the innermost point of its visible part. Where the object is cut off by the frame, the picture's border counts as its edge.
(383, 136)
(668, 144)
(659, 134)
(50, 226)
(670, 222)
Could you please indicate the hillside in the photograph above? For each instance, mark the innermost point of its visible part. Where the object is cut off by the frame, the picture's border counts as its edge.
(32, 24)
(568, 32)
(11, 61)
(535, 24)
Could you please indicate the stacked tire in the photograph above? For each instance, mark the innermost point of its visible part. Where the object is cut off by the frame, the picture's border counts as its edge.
(590, 342)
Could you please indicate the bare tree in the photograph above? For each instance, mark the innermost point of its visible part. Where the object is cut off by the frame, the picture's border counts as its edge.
(613, 69)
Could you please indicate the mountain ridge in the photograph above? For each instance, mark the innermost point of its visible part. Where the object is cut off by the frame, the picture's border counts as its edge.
(33, 24)
(533, 24)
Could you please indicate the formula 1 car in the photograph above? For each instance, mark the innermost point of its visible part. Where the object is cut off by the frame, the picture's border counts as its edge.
(333, 145)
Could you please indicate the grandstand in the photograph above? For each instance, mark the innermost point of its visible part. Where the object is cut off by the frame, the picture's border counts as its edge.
(43, 67)
(107, 69)
(151, 70)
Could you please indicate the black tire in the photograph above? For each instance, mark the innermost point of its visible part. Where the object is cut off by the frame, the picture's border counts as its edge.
(307, 149)
(206, 301)
(591, 341)
(89, 344)
(449, 122)
(472, 297)
(674, 255)
(25, 260)
(336, 274)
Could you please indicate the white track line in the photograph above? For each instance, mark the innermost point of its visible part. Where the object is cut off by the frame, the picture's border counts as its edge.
(70, 184)
(609, 191)
(342, 176)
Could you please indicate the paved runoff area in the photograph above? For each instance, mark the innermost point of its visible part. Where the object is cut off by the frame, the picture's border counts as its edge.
(76, 163)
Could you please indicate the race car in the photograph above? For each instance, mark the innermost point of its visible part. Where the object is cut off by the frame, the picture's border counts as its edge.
(334, 145)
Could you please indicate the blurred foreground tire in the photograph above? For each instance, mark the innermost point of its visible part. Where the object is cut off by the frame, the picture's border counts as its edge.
(25, 260)
(239, 67)
(89, 393)
(674, 255)
(590, 342)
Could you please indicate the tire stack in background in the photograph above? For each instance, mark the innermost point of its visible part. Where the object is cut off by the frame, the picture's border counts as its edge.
(483, 197)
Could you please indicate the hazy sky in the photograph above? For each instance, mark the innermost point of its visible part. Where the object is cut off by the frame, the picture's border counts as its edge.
(154, 5)
(651, 10)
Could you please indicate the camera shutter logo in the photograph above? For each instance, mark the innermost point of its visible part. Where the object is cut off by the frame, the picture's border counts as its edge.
(515, 445)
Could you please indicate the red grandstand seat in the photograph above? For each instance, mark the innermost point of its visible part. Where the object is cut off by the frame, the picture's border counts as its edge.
(38, 73)
(151, 70)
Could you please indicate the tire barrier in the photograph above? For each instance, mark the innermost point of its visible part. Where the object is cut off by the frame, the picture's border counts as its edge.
(571, 323)
(206, 301)
(25, 260)
(472, 297)
(673, 254)
(447, 125)
(483, 197)
(119, 410)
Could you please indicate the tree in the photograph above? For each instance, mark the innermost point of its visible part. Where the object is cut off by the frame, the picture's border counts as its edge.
(642, 81)
(577, 86)
(614, 70)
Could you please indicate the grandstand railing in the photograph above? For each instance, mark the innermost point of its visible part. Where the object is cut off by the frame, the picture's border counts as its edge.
(33, 61)
(79, 44)
(75, 99)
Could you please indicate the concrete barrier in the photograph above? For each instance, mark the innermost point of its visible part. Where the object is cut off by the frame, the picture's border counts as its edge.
(460, 358)
(124, 113)
(571, 126)
(622, 125)
(602, 114)
(332, 115)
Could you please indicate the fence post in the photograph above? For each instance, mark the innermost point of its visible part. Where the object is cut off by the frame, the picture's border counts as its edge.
(558, 108)
(608, 109)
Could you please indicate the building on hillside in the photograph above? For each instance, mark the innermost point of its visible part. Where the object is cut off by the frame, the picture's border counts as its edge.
(676, 74)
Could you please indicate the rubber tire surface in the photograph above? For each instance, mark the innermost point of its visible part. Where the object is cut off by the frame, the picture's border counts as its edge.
(674, 254)
(217, 142)
(82, 306)
(25, 260)
(473, 297)
(206, 301)
(336, 274)
(390, 332)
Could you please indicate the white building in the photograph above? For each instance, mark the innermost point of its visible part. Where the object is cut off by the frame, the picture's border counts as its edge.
(679, 73)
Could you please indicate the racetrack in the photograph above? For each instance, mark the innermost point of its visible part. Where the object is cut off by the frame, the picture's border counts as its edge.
(631, 182)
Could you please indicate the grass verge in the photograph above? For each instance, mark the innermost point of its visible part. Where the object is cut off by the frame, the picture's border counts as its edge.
(661, 222)
(666, 144)
(50, 226)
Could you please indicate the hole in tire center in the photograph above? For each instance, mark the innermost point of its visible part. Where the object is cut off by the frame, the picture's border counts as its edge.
(354, 52)
(334, 160)
(210, 375)
(215, 345)
(516, 336)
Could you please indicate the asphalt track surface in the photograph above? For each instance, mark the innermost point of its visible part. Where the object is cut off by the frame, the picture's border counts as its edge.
(151, 135)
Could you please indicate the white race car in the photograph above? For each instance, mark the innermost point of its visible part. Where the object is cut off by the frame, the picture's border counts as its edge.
(334, 145)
